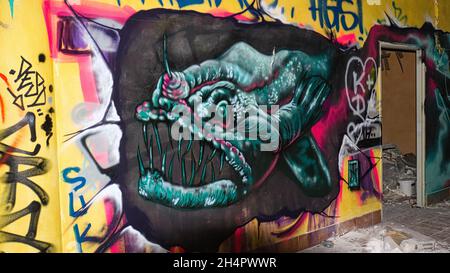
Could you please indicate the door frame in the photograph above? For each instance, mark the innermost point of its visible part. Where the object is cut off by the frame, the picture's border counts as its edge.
(420, 113)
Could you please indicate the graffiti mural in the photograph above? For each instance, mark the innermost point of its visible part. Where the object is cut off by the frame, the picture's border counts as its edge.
(222, 82)
(173, 126)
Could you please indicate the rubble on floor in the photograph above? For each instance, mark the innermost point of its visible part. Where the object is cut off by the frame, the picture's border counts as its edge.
(383, 238)
(404, 224)
(442, 204)
(399, 174)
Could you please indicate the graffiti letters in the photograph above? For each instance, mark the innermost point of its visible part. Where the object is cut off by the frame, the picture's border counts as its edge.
(31, 90)
(398, 17)
(79, 183)
(360, 77)
(17, 174)
(81, 238)
(341, 16)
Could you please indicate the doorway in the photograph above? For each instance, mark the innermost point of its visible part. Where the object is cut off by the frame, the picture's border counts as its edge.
(402, 118)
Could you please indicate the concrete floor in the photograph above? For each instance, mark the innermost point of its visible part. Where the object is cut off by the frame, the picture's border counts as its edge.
(433, 221)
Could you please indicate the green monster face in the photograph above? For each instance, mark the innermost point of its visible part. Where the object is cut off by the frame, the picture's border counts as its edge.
(237, 116)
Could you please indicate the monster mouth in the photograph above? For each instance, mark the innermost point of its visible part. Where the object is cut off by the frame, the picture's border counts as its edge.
(200, 172)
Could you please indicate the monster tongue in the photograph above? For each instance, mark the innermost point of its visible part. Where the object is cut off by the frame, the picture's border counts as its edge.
(187, 163)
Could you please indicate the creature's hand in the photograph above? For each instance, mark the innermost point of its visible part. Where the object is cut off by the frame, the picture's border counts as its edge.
(303, 110)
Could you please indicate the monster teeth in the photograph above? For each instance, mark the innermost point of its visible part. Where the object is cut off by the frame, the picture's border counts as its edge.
(188, 148)
(222, 159)
(213, 173)
(144, 133)
(179, 147)
(169, 132)
(202, 147)
(163, 162)
(212, 155)
(158, 141)
(227, 151)
(202, 178)
(191, 180)
(183, 171)
(150, 152)
(170, 168)
(141, 163)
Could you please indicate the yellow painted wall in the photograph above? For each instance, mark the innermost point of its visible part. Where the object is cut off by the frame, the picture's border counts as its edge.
(24, 36)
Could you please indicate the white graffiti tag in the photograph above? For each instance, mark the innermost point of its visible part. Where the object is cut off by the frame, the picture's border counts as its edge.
(360, 80)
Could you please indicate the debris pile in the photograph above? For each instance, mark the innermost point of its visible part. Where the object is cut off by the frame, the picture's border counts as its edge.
(400, 240)
(383, 238)
(397, 167)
